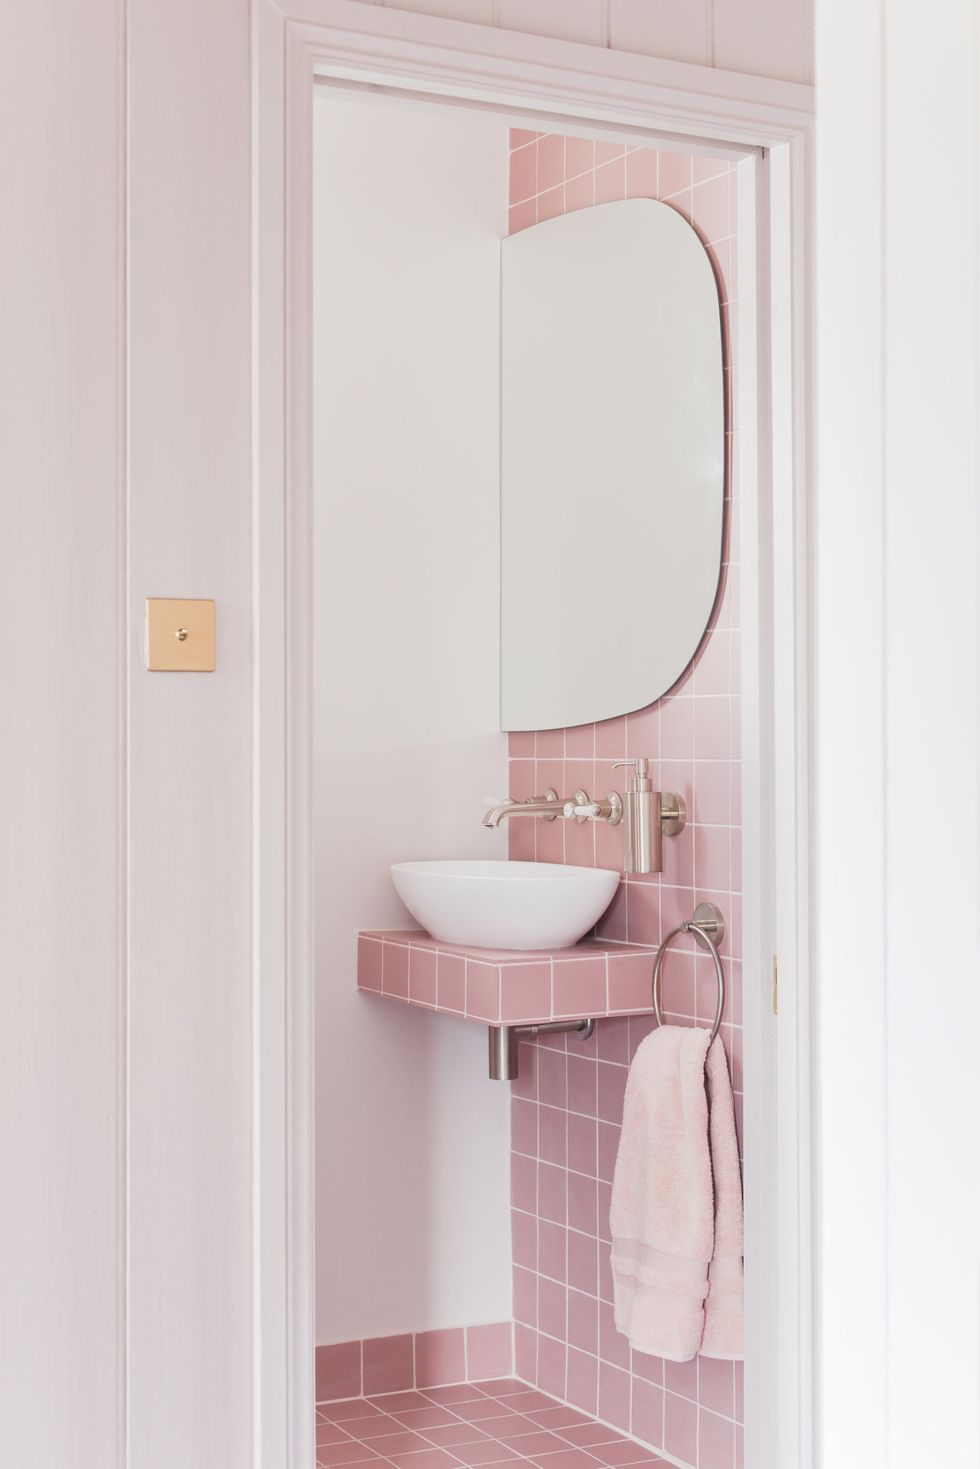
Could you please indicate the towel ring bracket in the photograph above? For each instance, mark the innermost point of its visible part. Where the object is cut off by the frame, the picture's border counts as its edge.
(708, 928)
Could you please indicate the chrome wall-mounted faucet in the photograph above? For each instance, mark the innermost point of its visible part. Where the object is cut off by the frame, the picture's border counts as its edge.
(650, 815)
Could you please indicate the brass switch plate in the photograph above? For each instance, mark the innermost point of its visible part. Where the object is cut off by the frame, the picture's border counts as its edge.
(180, 635)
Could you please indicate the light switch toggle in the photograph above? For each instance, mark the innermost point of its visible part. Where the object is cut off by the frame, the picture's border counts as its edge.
(180, 635)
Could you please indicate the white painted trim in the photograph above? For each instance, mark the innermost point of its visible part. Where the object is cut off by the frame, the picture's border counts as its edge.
(556, 82)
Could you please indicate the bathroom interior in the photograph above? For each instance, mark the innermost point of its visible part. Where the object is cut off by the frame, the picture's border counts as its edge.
(526, 358)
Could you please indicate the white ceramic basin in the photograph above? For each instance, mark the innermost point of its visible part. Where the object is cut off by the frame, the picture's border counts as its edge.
(505, 905)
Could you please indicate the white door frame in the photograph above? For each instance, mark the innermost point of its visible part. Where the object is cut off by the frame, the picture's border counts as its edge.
(554, 83)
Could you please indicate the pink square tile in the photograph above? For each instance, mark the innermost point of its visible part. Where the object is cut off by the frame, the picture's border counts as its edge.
(591, 1435)
(489, 1350)
(482, 1412)
(388, 1364)
(583, 1323)
(676, 172)
(524, 1126)
(608, 1148)
(524, 173)
(551, 204)
(552, 1088)
(739, 1392)
(455, 1433)
(526, 991)
(440, 1357)
(579, 156)
(552, 1139)
(610, 739)
(451, 975)
(490, 1452)
(420, 1419)
(583, 1382)
(397, 1402)
(482, 990)
(716, 1439)
(582, 1084)
(506, 1429)
(642, 173)
(369, 964)
(612, 1088)
(368, 1426)
(351, 1408)
(526, 1352)
(344, 1453)
(523, 1234)
(520, 136)
(557, 1418)
(613, 1348)
(523, 1182)
(580, 192)
(528, 1400)
(677, 728)
(583, 1262)
(327, 1432)
(552, 1193)
(582, 1206)
(612, 1040)
(422, 976)
(338, 1371)
(682, 1378)
(538, 1442)
(643, 912)
(403, 1442)
(552, 1249)
(580, 986)
(608, 152)
(614, 1396)
(525, 1288)
(610, 182)
(712, 735)
(581, 1143)
(551, 161)
(648, 1413)
(394, 970)
(552, 1308)
(551, 1377)
(651, 1369)
(427, 1459)
(712, 214)
(681, 1428)
(630, 976)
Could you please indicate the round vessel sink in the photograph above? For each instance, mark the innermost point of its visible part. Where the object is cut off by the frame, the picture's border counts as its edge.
(505, 905)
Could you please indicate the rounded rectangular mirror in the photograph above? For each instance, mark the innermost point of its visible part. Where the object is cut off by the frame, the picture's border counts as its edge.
(612, 461)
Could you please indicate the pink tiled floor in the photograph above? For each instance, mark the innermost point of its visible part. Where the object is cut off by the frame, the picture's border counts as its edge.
(473, 1425)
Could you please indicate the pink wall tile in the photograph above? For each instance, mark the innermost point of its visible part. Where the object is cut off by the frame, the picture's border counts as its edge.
(489, 1351)
(338, 1371)
(369, 964)
(440, 1357)
(389, 1364)
(691, 736)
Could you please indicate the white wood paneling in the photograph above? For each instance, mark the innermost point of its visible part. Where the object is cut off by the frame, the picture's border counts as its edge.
(897, 628)
(190, 1108)
(677, 29)
(62, 747)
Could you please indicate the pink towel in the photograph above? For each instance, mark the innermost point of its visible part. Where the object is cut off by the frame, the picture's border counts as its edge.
(676, 1212)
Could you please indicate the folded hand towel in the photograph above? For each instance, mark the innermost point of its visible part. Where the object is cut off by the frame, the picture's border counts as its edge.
(723, 1314)
(663, 1201)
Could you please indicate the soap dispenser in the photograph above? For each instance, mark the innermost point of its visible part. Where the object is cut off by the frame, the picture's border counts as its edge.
(649, 816)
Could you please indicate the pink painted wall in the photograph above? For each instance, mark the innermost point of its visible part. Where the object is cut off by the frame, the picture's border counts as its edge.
(567, 1104)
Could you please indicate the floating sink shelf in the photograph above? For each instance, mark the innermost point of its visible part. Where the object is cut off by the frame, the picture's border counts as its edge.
(507, 989)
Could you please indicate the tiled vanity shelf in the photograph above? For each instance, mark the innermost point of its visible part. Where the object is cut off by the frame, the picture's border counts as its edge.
(592, 980)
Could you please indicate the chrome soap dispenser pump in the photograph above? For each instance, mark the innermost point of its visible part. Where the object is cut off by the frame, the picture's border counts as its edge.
(649, 816)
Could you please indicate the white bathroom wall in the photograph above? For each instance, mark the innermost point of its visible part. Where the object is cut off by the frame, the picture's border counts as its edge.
(62, 747)
(412, 1139)
(897, 551)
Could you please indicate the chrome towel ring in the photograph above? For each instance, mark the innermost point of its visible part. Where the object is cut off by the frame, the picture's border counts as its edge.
(708, 928)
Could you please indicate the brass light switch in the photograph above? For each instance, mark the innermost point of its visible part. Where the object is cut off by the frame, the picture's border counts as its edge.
(180, 635)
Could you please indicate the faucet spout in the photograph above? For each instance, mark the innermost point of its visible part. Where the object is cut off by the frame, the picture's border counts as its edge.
(547, 805)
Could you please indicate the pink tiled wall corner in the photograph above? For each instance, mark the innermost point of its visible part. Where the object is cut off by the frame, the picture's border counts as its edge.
(567, 1104)
(424, 1359)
